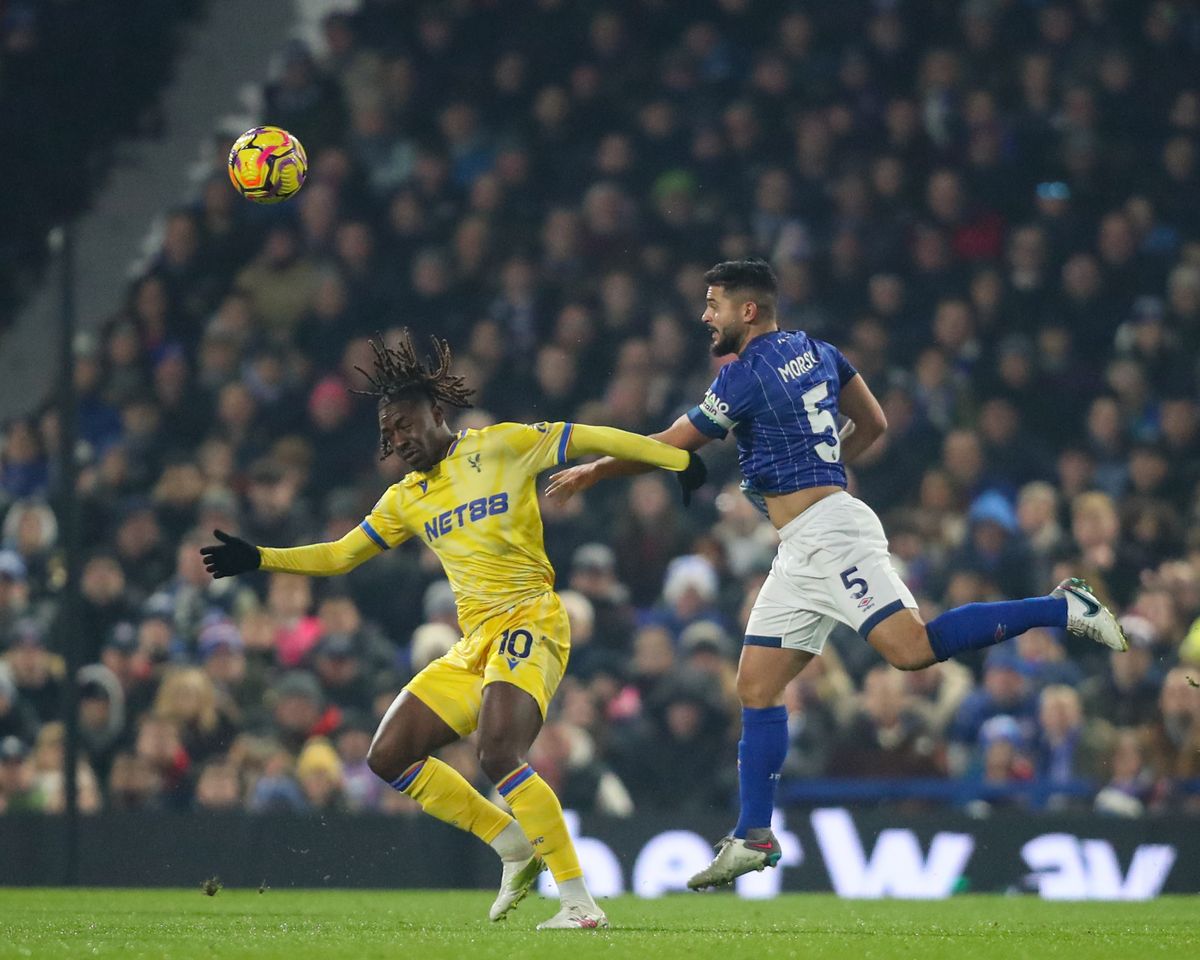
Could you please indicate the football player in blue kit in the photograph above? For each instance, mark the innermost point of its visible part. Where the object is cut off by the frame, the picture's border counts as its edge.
(781, 397)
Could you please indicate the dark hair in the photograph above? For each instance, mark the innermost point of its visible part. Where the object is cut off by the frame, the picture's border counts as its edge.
(399, 373)
(753, 276)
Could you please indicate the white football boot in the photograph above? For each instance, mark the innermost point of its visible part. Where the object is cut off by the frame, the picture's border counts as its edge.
(1088, 617)
(736, 856)
(515, 882)
(576, 917)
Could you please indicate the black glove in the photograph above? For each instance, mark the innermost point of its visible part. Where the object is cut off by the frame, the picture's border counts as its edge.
(231, 557)
(692, 476)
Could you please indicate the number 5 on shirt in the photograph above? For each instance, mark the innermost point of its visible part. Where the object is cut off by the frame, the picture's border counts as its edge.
(821, 422)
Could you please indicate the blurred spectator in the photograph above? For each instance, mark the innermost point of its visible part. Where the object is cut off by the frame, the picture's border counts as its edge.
(275, 789)
(1004, 691)
(1044, 659)
(937, 693)
(105, 603)
(1172, 739)
(812, 727)
(319, 773)
(340, 670)
(218, 787)
(650, 667)
(188, 701)
(17, 719)
(31, 530)
(134, 783)
(222, 654)
(430, 641)
(14, 590)
(886, 738)
(35, 672)
(593, 574)
(1004, 756)
(686, 720)
(1066, 750)
(581, 620)
(1126, 693)
(1129, 789)
(101, 717)
(689, 594)
(340, 617)
(706, 648)
(1038, 519)
(994, 546)
(299, 708)
(647, 537)
(159, 747)
(362, 788)
(16, 788)
(290, 601)
(439, 604)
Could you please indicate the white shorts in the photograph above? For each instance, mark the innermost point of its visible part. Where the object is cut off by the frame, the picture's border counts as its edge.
(832, 567)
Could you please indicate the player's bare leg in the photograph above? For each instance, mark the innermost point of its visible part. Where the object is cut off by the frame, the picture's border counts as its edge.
(408, 733)
(763, 674)
(509, 721)
(400, 754)
(903, 641)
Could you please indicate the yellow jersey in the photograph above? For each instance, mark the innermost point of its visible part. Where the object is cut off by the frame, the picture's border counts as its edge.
(477, 510)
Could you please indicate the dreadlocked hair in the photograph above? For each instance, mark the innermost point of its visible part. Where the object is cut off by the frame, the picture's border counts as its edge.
(398, 371)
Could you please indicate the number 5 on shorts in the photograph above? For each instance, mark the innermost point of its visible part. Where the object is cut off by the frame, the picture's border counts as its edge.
(850, 583)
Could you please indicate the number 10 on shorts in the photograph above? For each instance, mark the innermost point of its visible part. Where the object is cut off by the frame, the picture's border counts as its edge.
(516, 643)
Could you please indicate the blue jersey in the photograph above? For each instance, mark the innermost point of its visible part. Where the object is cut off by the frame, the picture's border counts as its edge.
(780, 399)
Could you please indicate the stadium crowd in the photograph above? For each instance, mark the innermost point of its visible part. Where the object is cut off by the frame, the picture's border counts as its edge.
(992, 207)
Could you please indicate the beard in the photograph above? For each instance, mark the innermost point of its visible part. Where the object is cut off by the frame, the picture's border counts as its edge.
(725, 343)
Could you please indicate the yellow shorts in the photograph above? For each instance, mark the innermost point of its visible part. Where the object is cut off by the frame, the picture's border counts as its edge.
(527, 646)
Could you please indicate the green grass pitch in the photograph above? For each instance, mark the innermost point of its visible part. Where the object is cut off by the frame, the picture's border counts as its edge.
(365, 925)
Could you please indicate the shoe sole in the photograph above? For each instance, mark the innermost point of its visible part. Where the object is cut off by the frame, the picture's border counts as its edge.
(770, 861)
(537, 865)
(601, 924)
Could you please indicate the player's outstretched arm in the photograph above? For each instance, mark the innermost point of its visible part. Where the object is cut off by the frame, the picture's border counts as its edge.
(680, 437)
(233, 556)
(867, 419)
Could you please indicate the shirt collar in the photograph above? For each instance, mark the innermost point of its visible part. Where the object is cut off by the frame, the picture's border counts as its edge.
(760, 343)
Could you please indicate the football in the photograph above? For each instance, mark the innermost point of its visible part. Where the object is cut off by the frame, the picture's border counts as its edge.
(267, 164)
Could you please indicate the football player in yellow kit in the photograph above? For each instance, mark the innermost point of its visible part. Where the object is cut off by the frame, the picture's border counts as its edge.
(471, 496)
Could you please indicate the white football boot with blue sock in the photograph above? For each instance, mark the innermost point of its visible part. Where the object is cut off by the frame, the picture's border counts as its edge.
(1088, 617)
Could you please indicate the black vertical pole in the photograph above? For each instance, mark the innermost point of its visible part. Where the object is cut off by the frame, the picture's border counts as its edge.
(67, 509)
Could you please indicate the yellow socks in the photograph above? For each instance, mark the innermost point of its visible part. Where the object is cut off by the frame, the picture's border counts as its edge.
(540, 815)
(443, 793)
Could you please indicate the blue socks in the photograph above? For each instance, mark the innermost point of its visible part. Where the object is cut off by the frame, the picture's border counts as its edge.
(978, 625)
(761, 752)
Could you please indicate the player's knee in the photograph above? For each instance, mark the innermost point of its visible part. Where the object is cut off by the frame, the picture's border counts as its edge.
(903, 641)
(909, 660)
(381, 764)
(907, 651)
(758, 692)
(388, 758)
(498, 757)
